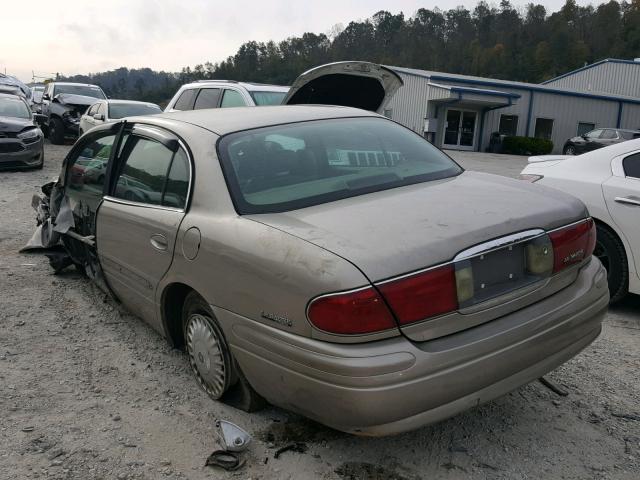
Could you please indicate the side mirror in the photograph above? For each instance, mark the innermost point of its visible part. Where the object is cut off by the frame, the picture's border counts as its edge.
(98, 116)
(45, 96)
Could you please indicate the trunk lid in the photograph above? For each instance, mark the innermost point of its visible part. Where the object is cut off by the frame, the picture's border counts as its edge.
(364, 85)
(391, 233)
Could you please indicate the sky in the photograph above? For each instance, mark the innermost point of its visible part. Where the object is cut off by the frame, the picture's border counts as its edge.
(84, 36)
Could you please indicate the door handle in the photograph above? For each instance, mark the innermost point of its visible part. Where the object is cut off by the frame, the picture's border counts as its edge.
(628, 201)
(158, 241)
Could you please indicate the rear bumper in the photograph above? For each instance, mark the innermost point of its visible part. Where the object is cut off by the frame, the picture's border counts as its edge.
(394, 385)
(28, 155)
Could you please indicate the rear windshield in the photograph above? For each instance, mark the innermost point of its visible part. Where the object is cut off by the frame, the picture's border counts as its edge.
(268, 98)
(14, 107)
(121, 110)
(286, 167)
(86, 90)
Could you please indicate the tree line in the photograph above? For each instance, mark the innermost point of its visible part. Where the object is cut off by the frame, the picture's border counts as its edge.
(525, 44)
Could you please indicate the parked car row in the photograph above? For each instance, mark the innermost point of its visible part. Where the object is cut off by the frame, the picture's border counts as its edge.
(598, 138)
(325, 258)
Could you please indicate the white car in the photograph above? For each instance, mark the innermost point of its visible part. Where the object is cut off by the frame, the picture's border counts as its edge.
(105, 111)
(225, 93)
(608, 182)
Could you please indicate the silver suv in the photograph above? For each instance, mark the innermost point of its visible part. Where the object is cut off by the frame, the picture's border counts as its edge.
(225, 93)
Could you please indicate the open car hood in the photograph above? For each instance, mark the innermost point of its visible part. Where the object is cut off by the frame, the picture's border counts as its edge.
(364, 85)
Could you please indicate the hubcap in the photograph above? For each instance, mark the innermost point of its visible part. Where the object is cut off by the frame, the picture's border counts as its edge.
(205, 355)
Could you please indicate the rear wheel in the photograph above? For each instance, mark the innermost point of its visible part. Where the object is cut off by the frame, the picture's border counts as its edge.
(56, 131)
(610, 251)
(569, 150)
(209, 355)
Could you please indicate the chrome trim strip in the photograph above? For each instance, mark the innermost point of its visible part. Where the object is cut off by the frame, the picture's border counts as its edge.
(497, 244)
(141, 204)
(411, 274)
(569, 225)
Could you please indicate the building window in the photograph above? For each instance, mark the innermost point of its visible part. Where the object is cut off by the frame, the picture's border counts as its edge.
(508, 125)
(584, 127)
(544, 128)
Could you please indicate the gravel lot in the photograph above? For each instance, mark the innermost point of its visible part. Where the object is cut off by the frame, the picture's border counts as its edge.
(89, 391)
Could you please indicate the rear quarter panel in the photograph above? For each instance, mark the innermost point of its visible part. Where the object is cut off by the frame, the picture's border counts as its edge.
(242, 265)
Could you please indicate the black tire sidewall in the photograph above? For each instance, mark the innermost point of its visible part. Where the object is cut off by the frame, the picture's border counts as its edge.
(618, 272)
(56, 136)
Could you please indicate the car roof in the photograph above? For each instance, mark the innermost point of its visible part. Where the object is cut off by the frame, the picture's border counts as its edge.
(226, 120)
(76, 83)
(252, 87)
(127, 102)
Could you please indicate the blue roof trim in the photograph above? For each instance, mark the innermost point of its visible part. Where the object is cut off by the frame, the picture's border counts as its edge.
(587, 67)
(479, 91)
(527, 88)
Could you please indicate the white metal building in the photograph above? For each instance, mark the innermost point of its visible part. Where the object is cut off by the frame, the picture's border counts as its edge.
(460, 112)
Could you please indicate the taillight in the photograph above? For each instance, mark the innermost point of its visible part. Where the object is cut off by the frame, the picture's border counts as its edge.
(358, 312)
(573, 244)
(423, 295)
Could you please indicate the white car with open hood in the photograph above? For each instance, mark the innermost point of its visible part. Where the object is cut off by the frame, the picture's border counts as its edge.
(607, 180)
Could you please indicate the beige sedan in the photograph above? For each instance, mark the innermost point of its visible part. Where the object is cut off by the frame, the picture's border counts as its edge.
(331, 261)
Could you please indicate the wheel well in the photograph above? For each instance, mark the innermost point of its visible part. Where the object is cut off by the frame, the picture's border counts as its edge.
(172, 302)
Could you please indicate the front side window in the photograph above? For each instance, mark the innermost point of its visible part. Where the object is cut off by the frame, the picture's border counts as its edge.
(122, 110)
(231, 98)
(267, 98)
(508, 125)
(286, 167)
(207, 98)
(185, 100)
(92, 109)
(87, 171)
(584, 128)
(146, 173)
(14, 107)
(593, 134)
(631, 165)
(544, 128)
(609, 134)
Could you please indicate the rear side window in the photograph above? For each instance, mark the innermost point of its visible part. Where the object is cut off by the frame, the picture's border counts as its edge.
(631, 165)
(185, 100)
(292, 166)
(153, 174)
(175, 194)
(231, 98)
(207, 98)
(609, 134)
(145, 171)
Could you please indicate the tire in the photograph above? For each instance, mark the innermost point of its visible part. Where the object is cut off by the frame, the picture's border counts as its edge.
(610, 251)
(56, 131)
(569, 150)
(209, 356)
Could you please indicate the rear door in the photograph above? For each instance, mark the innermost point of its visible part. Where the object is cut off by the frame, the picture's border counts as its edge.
(364, 85)
(622, 195)
(138, 221)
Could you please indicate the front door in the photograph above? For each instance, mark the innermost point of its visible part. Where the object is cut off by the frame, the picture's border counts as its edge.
(460, 129)
(138, 221)
(622, 195)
